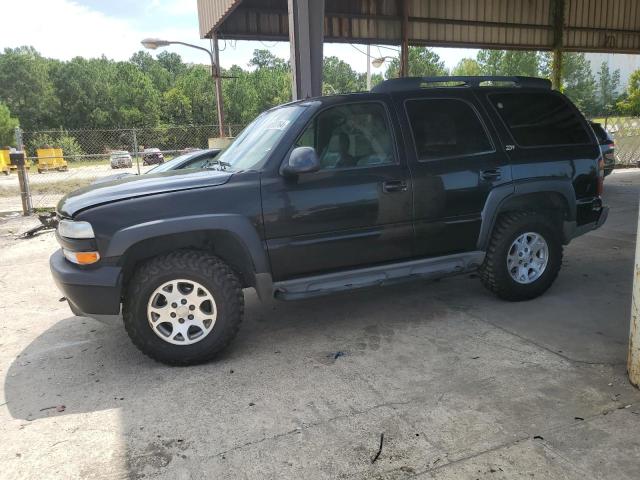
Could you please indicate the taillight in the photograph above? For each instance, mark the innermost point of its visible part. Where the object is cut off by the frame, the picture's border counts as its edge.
(600, 187)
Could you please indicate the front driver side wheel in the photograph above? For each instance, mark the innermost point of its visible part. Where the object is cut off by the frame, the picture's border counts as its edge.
(183, 308)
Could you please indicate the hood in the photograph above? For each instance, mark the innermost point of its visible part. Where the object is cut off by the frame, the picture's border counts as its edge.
(138, 186)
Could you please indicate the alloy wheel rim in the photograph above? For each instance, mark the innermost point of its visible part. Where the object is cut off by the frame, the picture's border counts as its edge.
(181, 312)
(527, 258)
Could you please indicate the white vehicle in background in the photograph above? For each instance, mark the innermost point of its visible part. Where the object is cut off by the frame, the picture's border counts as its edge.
(120, 159)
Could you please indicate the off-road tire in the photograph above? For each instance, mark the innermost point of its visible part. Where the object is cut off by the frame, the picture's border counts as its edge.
(204, 268)
(494, 273)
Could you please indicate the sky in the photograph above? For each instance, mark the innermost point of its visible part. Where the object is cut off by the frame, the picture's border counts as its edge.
(64, 29)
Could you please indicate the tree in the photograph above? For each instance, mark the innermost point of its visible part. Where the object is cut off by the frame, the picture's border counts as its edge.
(608, 84)
(176, 107)
(25, 87)
(271, 80)
(135, 97)
(339, 77)
(84, 91)
(265, 59)
(7, 126)
(241, 97)
(172, 63)
(162, 79)
(508, 62)
(197, 85)
(466, 67)
(578, 83)
(423, 62)
(630, 105)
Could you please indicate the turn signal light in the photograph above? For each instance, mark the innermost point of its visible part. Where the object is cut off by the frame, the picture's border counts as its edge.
(81, 258)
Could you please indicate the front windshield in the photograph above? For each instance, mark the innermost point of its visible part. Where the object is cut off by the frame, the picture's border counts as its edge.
(254, 144)
(170, 165)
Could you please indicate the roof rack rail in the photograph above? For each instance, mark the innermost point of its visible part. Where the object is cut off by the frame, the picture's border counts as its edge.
(416, 83)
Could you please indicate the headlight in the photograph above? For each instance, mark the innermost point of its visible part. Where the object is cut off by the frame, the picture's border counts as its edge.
(71, 229)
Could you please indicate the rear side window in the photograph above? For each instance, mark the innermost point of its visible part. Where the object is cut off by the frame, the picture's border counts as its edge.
(446, 128)
(540, 119)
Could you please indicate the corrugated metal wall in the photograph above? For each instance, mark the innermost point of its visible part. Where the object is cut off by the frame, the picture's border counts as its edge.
(589, 25)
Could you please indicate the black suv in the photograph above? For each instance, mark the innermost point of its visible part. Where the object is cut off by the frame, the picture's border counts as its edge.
(421, 178)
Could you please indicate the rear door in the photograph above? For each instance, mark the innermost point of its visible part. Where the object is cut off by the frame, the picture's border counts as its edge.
(455, 162)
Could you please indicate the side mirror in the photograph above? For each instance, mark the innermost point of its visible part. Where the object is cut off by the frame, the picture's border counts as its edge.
(301, 160)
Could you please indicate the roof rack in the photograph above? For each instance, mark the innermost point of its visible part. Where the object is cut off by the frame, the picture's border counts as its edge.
(416, 83)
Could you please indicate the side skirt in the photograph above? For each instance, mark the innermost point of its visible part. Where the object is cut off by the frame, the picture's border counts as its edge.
(436, 267)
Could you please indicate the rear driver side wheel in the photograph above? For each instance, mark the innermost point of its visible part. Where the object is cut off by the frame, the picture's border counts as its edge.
(183, 308)
(524, 256)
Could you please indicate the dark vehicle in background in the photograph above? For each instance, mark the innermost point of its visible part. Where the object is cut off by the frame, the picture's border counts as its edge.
(152, 156)
(420, 178)
(607, 147)
(191, 160)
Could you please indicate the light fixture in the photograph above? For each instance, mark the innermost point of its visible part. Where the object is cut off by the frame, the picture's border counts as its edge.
(153, 43)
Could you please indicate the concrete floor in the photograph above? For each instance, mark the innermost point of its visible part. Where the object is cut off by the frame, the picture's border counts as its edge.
(462, 385)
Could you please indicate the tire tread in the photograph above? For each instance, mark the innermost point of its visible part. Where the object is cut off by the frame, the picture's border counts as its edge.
(190, 260)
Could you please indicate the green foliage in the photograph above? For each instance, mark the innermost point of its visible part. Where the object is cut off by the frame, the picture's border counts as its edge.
(578, 83)
(7, 126)
(466, 67)
(608, 85)
(61, 139)
(339, 77)
(149, 91)
(508, 62)
(423, 62)
(630, 105)
(25, 87)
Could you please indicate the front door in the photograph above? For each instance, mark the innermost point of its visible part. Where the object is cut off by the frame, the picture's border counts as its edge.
(355, 211)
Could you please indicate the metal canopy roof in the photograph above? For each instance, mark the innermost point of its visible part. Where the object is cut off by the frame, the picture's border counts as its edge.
(587, 25)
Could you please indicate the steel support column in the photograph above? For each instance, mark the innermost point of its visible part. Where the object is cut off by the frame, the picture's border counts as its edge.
(306, 36)
(633, 357)
(404, 45)
(557, 12)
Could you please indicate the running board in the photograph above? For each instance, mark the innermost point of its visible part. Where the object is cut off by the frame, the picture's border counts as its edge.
(435, 267)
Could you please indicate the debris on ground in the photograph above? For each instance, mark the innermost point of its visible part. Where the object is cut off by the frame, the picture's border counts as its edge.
(373, 460)
(48, 221)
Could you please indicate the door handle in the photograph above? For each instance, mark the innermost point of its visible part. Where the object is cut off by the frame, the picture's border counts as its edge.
(394, 186)
(491, 174)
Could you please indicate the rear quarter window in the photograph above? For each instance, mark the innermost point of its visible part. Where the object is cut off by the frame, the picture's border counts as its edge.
(538, 119)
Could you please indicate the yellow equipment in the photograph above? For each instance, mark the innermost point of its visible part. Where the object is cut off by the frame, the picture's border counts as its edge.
(51, 159)
(5, 161)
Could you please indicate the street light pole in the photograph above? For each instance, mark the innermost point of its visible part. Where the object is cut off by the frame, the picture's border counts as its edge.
(215, 64)
(153, 43)
(368, 67)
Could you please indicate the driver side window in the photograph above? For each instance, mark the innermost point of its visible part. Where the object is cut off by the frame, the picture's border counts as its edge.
(350, 136)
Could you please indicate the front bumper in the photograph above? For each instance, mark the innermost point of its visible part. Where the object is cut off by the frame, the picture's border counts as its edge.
(91, 292)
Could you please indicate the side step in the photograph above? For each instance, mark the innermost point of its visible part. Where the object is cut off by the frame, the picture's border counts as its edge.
(380, 275)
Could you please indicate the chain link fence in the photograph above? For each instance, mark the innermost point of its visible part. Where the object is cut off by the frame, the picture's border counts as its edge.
(60, 161)
(625, 132)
